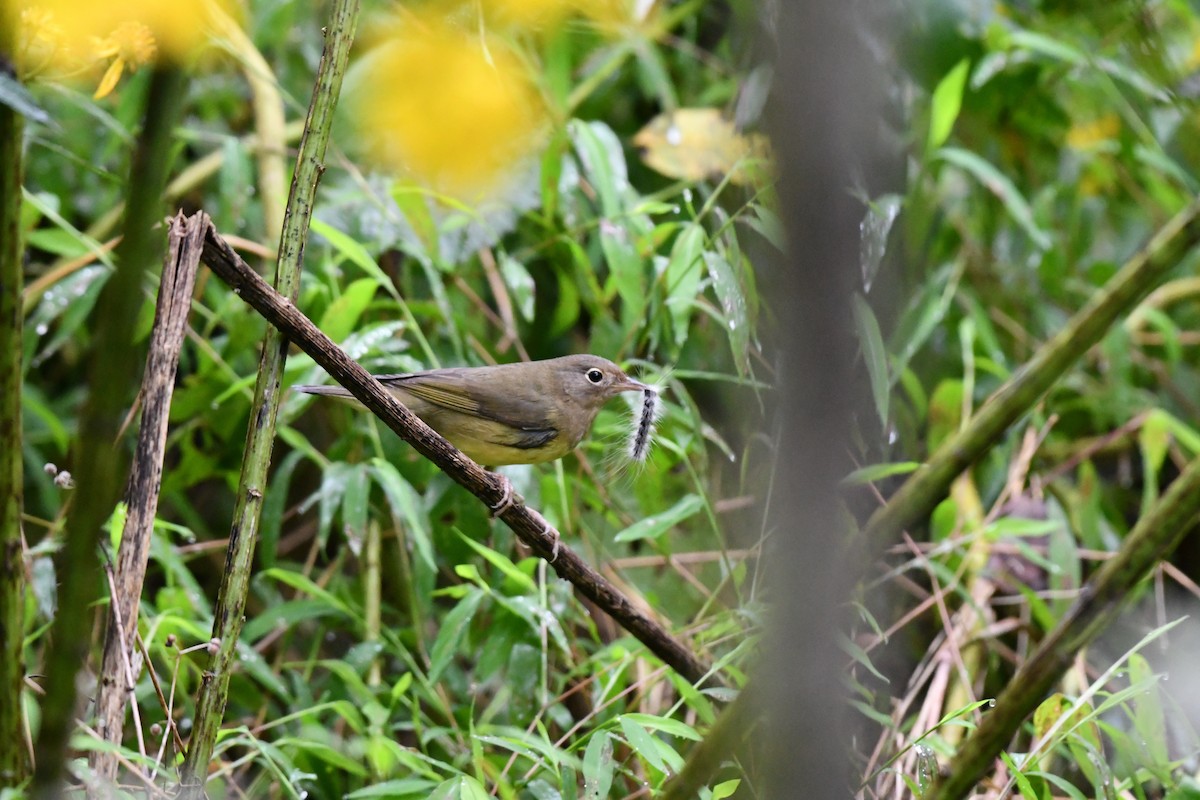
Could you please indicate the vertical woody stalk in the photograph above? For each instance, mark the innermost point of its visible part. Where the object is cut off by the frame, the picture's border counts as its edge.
(231, 598)
(14, 765)
(120, 664)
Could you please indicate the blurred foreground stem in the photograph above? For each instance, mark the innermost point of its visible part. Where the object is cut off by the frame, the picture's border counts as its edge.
(14, 761)
(99, 463)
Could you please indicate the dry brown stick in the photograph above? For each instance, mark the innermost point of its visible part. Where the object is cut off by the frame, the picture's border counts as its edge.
(184, 245)
(527, 523)
(163, 703)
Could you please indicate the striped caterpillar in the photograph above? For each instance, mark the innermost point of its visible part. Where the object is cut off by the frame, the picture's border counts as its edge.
(641, 436)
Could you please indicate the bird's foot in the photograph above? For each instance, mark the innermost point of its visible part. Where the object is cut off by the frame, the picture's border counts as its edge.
(549, 531)
(508, 499)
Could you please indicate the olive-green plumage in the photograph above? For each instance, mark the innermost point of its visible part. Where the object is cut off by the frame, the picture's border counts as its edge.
(524, 413)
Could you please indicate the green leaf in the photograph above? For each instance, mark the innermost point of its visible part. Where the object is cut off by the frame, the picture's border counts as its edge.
(502, 563)
(341, 317)
(870, 339)
(598, 767)
(685, 269)
(14, 95)
(643, 743)
(877, 472)
(406, 504)
(1149, 717)
(303, 583)
(401, 789)
(725, 789)
(335, 480)
(355, 506)
(626, 271)
(656, 525)
(450, 635)
(603, 161)
(945, 105)
(732, 298)
(1154, 440)
(665, 724)
(48, 206)
(520, 285)
(998, 184)
(353, 250)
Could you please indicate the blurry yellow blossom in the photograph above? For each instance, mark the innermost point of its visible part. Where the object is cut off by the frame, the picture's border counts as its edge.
(457, 110)
(536, 14)
(63, 38)
(130, 46)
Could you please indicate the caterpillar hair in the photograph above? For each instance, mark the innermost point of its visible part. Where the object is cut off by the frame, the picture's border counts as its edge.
(640, 438)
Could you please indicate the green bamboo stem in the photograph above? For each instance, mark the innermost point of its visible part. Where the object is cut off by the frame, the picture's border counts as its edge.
(1101, 599)
(14, 758)
(243, 534)
(916, 499)
(99, 467)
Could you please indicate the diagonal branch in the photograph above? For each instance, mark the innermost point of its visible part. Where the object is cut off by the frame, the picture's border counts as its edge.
(1153, 539)
(927, 487)
(527, 523)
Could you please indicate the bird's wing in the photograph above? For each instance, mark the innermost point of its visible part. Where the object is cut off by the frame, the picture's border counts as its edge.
(443, 388)
(447, 389)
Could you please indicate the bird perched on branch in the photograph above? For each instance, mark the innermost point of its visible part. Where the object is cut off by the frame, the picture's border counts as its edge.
(524, 413)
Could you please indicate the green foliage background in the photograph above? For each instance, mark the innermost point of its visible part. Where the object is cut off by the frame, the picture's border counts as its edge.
(399, 643)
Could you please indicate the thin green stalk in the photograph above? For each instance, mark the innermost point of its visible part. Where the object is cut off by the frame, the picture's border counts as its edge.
(99, 466)
(927, 487)
(235, 582)
(1153, 538)
(372, 600)
(14, 758)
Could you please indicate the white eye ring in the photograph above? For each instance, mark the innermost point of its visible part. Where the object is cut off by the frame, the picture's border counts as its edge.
(594, 375)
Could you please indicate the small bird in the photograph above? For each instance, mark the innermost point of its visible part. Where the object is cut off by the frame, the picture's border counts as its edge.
(524, 413)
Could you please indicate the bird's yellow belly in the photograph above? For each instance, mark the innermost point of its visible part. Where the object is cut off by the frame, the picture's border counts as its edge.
(482, 440)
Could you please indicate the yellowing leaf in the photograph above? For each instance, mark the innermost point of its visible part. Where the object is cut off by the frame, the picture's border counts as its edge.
(698, 143)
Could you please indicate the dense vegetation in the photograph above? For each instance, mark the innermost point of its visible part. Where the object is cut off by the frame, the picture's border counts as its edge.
(502, 186)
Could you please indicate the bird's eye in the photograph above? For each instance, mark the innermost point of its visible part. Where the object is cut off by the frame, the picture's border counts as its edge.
(594, 375)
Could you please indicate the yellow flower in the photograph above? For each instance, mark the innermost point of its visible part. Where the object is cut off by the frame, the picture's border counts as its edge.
(132, 45)
(456, 110)
(64, 37)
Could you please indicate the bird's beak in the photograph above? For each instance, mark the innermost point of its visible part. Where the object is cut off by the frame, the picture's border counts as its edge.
(628, 384)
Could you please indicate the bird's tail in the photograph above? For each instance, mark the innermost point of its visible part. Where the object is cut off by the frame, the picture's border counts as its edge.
(324, 390)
